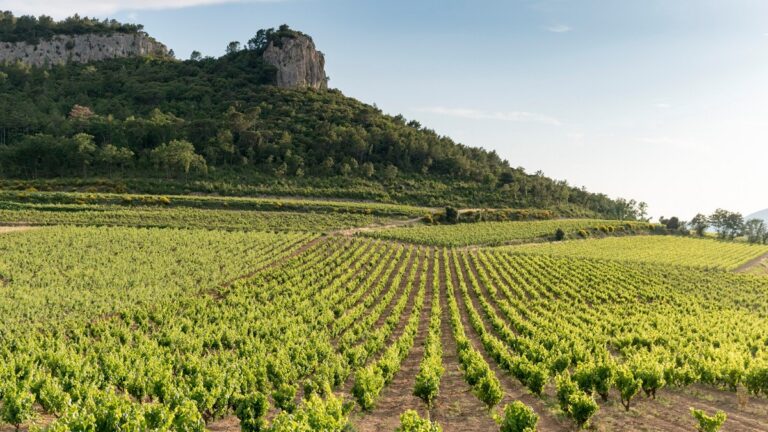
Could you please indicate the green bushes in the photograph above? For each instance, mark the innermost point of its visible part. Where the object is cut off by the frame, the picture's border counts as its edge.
(284, 397)
(579, 405)
(627, 385)
(597, 377)
(315, 414)
(17, 406)
(368, 384)
(410, 421)
(251, 410)
(708, 423)
(756, 380)
(651, 373)
(518, 417)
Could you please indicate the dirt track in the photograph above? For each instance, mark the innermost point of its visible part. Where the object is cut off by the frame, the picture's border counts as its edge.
(754, 266)
(8, 229)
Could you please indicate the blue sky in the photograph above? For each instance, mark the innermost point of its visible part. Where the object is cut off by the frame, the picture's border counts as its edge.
(660, 100)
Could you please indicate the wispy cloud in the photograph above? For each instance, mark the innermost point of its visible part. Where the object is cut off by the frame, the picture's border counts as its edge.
(60, 9)
(510, 116)
(559, 28)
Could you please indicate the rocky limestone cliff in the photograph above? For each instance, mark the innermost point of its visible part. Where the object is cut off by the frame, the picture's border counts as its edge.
(81, 49)
(298, 63)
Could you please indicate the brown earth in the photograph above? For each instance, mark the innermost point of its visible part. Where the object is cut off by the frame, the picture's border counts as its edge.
(757, 266)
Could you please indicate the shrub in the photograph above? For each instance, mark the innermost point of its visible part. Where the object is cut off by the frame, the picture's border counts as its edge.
(284, 397)
(17, 406)
(559, 234)
(251, 410)
(518, 417)
(757, 380)
(652, 376)
(583, 233)
(52, 398)
(368, 385)
(581, 407)
(708, 423)
(315, 414)
(584, 377)
(627, 384)
(489, 390)
(565, 388)
(410, 421)
(428, 382)
(451, 215)
(186, 418)
(157, 417)
(603, 378)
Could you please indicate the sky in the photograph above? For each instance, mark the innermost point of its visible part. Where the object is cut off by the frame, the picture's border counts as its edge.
(662, 101)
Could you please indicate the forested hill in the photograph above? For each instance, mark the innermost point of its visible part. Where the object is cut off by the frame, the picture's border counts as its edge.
(219, 125)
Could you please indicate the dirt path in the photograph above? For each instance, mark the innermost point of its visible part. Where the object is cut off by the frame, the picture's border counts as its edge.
(15, 228)
(368, 228)
(671, 411)
(757, 265)
(398, 395)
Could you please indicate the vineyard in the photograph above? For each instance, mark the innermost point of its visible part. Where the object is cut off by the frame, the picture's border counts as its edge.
(498, 233)
(131, 329)
(707, 253)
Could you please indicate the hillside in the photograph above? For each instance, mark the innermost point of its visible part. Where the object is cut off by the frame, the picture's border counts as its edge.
(762, 214)
(221, 125)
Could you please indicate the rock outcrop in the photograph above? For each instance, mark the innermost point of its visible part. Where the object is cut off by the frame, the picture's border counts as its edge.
(85, 48)
(298, 63)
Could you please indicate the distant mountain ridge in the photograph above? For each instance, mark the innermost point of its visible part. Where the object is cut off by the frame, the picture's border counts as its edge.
(762, 214)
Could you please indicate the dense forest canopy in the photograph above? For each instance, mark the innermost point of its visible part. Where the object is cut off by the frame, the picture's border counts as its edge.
(144, 117)
(31, 29)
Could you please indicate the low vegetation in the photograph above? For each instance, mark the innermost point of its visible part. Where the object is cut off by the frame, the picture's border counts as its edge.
(496, 233)
(696, 252)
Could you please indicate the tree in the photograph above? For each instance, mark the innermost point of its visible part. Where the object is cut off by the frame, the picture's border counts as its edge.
(755, 230)
(699, 223)
(672, 224)
(112, 156)
(390, 172)
(233, 47)
(178, 155)
(728, 224)
(367, 169)
(195, 56)
(451, 215)
(642, 211)
(85, 150)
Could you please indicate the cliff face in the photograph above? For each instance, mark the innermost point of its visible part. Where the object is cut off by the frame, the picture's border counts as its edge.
(298, 63)
(81, 49)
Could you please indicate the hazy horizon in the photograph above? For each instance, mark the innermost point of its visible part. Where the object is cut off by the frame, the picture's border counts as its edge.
(659, 102)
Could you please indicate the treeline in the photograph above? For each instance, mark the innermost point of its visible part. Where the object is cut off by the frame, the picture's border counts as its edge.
(234, 121)
(31, 29)
(726, 224)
